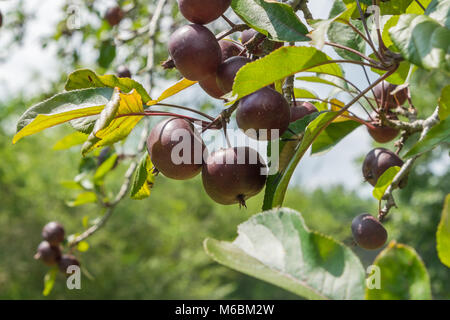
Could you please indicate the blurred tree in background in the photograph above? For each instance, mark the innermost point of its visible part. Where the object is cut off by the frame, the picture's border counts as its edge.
(152, 249)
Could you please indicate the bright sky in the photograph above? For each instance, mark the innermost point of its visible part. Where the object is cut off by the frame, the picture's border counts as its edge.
(31, 62)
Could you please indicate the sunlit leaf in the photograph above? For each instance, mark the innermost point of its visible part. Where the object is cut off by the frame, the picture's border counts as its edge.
(143, 179)
(177, 87)
(83, 246)
(422, 41)
(104, 168)
(83, 198)
(403, 275)
(321, 27)
(384, 181)
(72, 139)
(443, 234)
(444, 103)
(301, 93)
(276, 246)
(274, 19)
(85, 78)
(279, 64)
(113, 125)
(62, 108)
(439, 10)
(333, 134)
(49, 281)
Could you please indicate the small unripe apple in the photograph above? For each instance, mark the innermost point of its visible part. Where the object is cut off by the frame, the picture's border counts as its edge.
(53, 232)
(368, 232)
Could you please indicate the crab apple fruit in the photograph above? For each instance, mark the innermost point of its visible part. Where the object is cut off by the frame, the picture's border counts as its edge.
(229, 49)
(114, 15)
(381, 133)
(49, 254)
(265, 109)
(201, 11)
(368, 232)
(66, 261)
(209, 84)
(176, 149)
(377, 161)
(53, 232)
(385, 99)
(300, 111)
(123, 72)
(227, 72)
(233, 175)
(195, 51)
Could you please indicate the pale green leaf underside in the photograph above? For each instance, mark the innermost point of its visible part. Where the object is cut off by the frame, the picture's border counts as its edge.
(277, 247)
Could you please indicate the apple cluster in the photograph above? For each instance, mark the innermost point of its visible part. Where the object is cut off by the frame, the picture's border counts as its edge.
(49, 251)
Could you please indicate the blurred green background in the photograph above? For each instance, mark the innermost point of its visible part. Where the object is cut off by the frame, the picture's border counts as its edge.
(152, 249)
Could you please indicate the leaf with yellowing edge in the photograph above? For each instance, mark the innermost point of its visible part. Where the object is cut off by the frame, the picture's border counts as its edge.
(337, 105)
(62, 108)
(113, 125)
(177, 87)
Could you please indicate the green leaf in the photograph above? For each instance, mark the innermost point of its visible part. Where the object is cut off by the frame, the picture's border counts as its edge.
(286, 147)
(143, 179)
(439, 10)
(72, 139)
(443, 234)
(415, 8)
(49, 281)
(72, 185)
(107, 54)
(403, 275)
(332, 134)
(61, 108)
(177, 87)
(83, 198)
(326, 79)
(422, 41)
(426, 89)
(274, 19)
(385, 36)
(384, 181)
(277, 247)
(339, 13)
(277, 184)
(440, 133)
(444, 103)
(399, 76)
(116, 120)
(301, 93)
(104, 168)
(394, 7)
(279, 64)
(85, 78)
(344, 35)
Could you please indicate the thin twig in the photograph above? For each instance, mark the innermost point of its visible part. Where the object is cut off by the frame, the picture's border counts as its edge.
(352, 51)
(420, 5)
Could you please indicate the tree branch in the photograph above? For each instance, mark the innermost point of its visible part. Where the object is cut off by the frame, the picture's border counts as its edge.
(426, 125)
